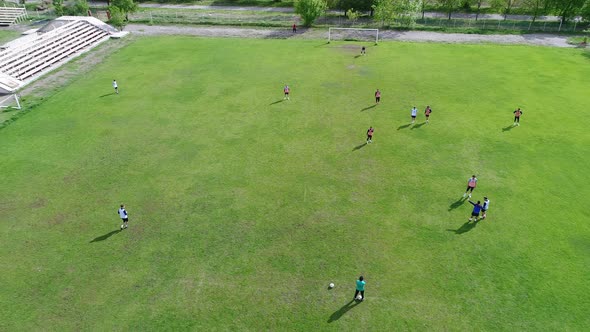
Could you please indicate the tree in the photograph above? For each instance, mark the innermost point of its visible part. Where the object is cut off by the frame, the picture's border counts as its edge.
(478, 3)
(117, 17)
(505, 6)
(359, 5)
(125, 6)
(58, 5)
(310, 10)
(536, 6)
(585, 12)
(384, 11)
(352, 15)
(406, 11)
(80, 8)
(449, 5)
(567, 8)
(424, 4)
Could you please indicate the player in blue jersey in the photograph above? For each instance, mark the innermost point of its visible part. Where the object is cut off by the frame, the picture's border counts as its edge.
(476, 210)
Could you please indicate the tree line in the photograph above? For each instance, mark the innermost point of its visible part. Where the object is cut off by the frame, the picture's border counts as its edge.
(405, 12)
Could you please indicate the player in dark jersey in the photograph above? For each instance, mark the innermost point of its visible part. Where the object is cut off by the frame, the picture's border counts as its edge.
(517, 115)
(427, 112)
(370, 135)
(476, 210)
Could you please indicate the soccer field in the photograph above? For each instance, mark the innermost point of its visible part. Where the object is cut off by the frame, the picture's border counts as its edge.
(244, 207)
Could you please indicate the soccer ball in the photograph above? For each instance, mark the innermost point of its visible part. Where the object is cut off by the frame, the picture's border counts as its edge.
(122, 226)
(359, 297)
(331, 285)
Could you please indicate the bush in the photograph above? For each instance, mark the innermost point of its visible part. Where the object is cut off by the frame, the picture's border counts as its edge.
(310, 10)
(117, 17)
(58, 5)
(79, 8)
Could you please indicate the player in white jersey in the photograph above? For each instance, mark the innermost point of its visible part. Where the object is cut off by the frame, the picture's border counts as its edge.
(123, 214)
(115, 86)
(471, 184)
(484, 208)
(414, 112)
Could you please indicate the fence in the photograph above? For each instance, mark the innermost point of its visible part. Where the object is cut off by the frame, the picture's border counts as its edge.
(513, 25)
(463, 24)
(215, 18)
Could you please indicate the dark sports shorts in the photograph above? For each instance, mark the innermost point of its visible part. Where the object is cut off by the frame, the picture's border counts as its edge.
(474, 214)
(470, 188)
(125, 219)
(378, 98)
(286, 93)
(413, 116)
(427, 115)
(370, 136)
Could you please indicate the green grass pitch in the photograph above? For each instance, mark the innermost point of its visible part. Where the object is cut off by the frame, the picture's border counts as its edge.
(243, 208)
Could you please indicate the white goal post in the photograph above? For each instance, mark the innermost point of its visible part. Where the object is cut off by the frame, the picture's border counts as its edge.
(353, 34)
(9, 101)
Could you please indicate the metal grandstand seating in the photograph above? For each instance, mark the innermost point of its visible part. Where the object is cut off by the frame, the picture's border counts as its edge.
(25, 59)
(11, 15)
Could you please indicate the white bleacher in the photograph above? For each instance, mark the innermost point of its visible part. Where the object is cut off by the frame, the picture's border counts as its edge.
(12, 14)
(26, 58)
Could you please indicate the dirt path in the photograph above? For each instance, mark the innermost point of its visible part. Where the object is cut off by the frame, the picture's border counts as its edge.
(417, 36)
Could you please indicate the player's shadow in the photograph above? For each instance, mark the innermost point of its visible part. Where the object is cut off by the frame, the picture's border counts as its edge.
(458, 203)
(404, 126)
(508, 128)
(358, 56)
(340, 312)
(368, 108)
(108, 94)
(466, 227)
(106, 236)
(418, 125)
(278, 101)
(358, 147)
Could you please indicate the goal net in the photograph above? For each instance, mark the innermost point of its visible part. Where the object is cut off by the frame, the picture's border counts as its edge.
(353, 34)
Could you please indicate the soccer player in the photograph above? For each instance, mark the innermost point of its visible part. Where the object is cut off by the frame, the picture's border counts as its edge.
(286, 91)
(476, 210)
(363, 51)
(471, 184)
(294, 28)
(115, 86)
(427, 112)
(360, 288)
(414, 112)
(517, 115)
(370, 135)
(123, 214)
(485, 207)
(377, 96)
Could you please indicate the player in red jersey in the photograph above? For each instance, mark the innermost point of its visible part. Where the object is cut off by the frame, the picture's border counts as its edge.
(377, 96)
(517, 115)
(286, 90)
(471, 184)
(427, 112)
(370, 135)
